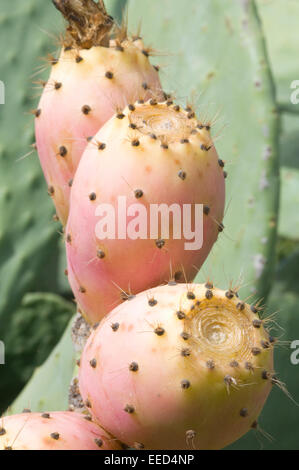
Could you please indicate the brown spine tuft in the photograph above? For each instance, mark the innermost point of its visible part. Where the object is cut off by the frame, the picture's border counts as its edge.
(88, 23)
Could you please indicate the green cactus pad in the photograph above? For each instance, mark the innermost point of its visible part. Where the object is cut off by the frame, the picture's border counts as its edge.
(48, 388)
(219, 55)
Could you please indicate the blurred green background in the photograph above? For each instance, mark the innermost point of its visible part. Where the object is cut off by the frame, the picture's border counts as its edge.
(235, 58)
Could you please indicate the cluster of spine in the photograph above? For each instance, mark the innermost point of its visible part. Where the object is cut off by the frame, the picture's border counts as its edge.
(86, 87)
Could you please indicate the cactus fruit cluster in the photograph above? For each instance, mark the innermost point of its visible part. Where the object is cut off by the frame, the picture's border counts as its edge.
(168, 364)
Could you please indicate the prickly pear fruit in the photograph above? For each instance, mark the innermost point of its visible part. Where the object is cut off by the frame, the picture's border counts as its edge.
(178, 367)
(95, 75)
(152, 155)
(53, 431)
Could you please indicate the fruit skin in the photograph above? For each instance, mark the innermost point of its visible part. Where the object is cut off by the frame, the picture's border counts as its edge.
(53, 431)
(84, 90)
(168, 382)
(171, 168)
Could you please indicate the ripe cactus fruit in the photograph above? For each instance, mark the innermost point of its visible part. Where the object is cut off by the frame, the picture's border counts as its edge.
(95, 75)
(178, 367)
(155, 155)
(53, 431)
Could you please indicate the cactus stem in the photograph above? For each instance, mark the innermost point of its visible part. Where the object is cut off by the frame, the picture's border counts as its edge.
(88, 23)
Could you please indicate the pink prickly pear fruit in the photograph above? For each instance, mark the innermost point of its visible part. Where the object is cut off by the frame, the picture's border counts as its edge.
(53, 431)
(178, 367)
(95, 76)
(153, 155)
